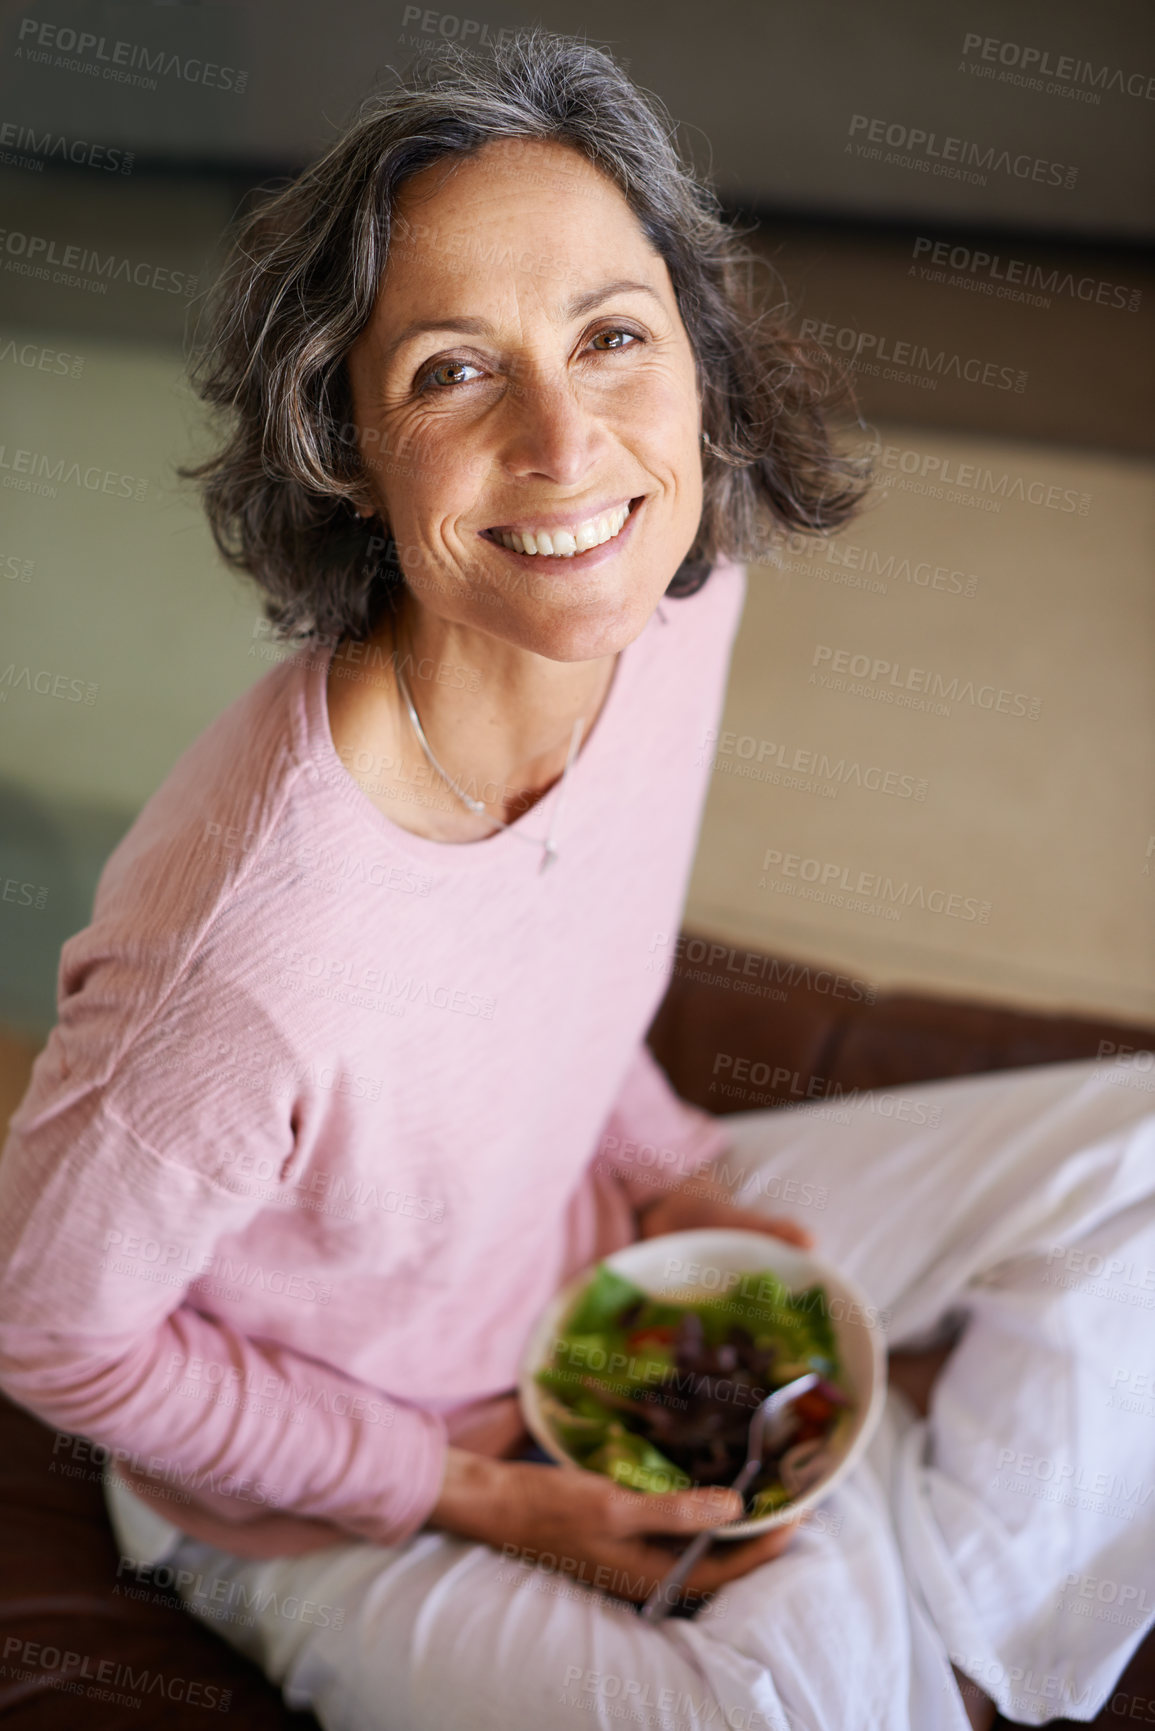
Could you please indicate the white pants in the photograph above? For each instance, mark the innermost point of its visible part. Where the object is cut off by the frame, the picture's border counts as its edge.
(1012, 1531)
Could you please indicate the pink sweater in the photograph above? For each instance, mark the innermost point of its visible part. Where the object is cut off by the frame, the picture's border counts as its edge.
(331, 1110)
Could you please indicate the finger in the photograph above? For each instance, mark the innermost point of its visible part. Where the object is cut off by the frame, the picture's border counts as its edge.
(728, 1562)
(674, 1511)
(790, 1231)
(637, 1568)
(774, 1226)
(632, 1570)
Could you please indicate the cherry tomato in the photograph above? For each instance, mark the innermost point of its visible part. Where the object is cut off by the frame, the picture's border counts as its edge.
(662, 1333)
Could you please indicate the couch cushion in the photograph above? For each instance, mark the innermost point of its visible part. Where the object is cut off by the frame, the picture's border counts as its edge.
(738, 1030)
(79, 1647)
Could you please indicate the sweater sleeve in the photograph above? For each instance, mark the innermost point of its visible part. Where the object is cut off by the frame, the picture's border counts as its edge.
(653, 1140)
(110, 1347)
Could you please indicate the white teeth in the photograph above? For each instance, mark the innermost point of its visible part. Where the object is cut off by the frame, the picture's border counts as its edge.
(564, 543)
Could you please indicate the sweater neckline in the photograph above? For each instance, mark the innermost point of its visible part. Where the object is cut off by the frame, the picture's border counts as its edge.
(592, 758)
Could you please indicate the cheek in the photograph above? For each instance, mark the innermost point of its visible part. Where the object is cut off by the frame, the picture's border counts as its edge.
(676, 454)
(433, 480)
(663, 412)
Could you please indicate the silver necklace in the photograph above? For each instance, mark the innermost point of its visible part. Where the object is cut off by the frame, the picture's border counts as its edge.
(477, 806)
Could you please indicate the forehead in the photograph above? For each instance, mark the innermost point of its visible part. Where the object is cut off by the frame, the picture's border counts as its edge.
(525, 209)
(510, 172)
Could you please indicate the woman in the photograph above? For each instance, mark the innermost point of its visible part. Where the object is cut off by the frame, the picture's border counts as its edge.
(349, 1074)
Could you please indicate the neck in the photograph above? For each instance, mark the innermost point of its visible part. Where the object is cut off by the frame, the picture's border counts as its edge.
(498, 718)
(501, 706)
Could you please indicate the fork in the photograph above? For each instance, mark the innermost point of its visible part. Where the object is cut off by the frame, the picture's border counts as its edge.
(765, 1428)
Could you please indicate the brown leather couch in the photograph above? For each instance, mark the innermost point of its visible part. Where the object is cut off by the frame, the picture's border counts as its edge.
(65, 1620)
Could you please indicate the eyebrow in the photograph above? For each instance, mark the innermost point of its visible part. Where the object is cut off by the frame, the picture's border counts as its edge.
(574, 309)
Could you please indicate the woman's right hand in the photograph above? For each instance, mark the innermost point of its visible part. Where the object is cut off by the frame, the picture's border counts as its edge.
(592, 1529)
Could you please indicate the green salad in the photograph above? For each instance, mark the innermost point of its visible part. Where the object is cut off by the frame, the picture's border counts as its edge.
(659, 1395)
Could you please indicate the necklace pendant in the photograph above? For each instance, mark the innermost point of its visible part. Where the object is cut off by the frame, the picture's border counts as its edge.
(548, 855)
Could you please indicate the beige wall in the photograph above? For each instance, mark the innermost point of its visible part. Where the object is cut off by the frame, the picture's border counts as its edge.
(1047, 820)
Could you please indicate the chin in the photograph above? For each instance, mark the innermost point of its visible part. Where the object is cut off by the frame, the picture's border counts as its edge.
(588, 635)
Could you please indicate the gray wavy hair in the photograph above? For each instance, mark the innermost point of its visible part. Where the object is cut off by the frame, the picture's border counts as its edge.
(303, 275)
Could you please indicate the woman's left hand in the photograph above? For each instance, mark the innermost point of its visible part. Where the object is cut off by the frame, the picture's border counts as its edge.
(702, 1202)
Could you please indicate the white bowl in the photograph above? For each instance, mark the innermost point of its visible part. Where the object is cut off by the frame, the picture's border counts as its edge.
(684, 1266)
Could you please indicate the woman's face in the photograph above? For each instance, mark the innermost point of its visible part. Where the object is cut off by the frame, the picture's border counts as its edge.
(526, 371)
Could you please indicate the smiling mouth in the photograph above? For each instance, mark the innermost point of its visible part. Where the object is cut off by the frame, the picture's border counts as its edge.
(567, 542)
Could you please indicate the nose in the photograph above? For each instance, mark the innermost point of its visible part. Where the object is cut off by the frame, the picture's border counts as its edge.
(550, 435)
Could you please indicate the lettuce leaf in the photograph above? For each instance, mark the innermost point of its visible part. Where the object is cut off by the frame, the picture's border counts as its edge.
(630, 1460)
(603, 1301)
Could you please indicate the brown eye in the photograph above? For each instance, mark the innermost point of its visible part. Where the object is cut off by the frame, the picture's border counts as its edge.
(446, 374)
(614, 339)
